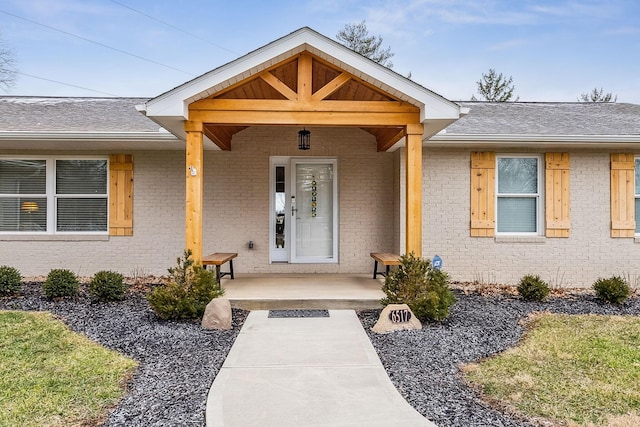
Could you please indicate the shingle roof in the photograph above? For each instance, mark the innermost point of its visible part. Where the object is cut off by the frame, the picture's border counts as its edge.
(73, 115)
(538, 118)
(502, 118)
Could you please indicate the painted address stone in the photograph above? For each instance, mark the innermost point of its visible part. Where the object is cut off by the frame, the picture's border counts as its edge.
(396, 317)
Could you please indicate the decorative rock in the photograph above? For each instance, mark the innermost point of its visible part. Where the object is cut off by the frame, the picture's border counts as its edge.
(217, 314)
(396, 317)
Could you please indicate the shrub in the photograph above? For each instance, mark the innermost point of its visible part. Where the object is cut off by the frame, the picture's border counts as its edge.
(614, 289)
(10, 281)
(60, 283)
(187, 292)
(107, 286)
(533, 288)
(423, 288)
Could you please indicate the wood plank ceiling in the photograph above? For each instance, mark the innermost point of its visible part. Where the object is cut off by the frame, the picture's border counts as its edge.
(335, 98)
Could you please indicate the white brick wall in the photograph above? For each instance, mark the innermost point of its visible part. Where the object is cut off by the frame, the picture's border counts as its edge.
(587, 254)
(236, 209)
(158, 236)
(371, 186)
(237, 197)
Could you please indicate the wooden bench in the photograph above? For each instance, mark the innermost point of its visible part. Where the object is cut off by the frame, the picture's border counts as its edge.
(385, 258)
(218, 259)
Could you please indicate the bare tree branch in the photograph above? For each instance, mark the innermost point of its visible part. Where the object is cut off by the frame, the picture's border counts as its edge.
(8, 69)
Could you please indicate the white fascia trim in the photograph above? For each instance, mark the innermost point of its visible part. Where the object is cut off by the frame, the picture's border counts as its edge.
(444, 139)
(175, 102)
(87, 136)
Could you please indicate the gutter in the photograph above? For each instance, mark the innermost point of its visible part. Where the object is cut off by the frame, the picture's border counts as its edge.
(88, 136)
(579, 141)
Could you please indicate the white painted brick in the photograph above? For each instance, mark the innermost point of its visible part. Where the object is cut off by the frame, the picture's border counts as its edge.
(589, 252)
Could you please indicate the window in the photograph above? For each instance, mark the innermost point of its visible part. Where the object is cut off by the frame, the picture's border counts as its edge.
(518, 194)
(53, 195)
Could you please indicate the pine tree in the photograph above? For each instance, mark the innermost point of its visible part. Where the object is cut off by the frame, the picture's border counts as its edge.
(494, 87)
(598, 96)
(356, 37)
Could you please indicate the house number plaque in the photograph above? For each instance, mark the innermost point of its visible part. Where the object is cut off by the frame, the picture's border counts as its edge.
(399, 316)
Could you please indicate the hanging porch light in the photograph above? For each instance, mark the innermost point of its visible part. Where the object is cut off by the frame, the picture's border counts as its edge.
(304, 139)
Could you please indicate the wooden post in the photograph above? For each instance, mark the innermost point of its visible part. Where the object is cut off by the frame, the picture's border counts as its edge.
(414, 189)
(194, 195)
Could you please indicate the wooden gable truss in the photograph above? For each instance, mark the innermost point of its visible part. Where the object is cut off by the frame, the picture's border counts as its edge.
(304, 90)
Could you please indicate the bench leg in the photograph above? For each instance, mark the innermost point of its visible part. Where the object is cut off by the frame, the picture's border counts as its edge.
(387, 273)
(375, 268)
(231, 267)
(218, 273)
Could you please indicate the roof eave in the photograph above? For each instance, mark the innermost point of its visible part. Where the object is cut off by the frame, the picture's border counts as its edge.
(533, 140)
(89, 140)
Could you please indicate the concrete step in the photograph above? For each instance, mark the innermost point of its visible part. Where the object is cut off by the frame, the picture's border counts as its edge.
(304, 291)
(305, 304)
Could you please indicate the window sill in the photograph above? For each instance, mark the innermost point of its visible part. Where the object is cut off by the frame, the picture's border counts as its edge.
(54, 237)
(520, 239)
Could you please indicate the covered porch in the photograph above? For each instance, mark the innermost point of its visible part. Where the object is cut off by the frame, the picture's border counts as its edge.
(303, 80)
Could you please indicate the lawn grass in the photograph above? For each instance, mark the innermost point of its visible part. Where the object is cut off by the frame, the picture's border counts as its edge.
(575, 370)
(51, 376)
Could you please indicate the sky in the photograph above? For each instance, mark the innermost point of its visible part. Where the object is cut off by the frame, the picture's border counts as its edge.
(554, 50)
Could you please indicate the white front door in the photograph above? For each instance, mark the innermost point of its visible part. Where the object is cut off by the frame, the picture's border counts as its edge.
(304, 210)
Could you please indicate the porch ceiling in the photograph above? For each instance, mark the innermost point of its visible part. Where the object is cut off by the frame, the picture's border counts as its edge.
(304, 90)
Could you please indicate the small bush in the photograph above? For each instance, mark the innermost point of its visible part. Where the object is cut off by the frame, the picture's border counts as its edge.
(423, 288)
(614, 289)
(10, 281)
(60, 283)
(107, 286)
(188, 291)
(533, 288)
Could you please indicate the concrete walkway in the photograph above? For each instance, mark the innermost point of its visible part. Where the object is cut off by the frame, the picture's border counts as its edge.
(319, 371)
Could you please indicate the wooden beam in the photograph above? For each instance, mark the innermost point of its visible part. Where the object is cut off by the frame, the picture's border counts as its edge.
(384, 145)
(305, 77)
(278, 85)
(275, 105)
(221, 141)
(414, 189)
(294, 118)
(194, 194)
(331, 87)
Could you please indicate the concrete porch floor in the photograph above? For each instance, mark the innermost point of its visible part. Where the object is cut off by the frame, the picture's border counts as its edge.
(303, 291)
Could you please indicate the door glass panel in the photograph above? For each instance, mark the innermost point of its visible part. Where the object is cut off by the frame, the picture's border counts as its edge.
(280, 204)
(314, 215)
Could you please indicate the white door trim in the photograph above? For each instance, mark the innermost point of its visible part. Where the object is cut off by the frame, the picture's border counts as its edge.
(277, 255)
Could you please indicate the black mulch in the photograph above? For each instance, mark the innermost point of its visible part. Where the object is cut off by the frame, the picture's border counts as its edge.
(424, 364)
(179, 360)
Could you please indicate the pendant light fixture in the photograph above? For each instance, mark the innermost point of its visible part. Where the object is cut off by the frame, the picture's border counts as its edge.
(304, 139)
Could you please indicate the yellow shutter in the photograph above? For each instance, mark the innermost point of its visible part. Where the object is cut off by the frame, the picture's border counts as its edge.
(121, 195)
(623, 222)
(557, 197)
(483, 190)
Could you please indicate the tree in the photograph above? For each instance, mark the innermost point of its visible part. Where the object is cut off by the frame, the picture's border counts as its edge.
(8, 69)
(598, 96)
(494, 87)
(356, 37)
